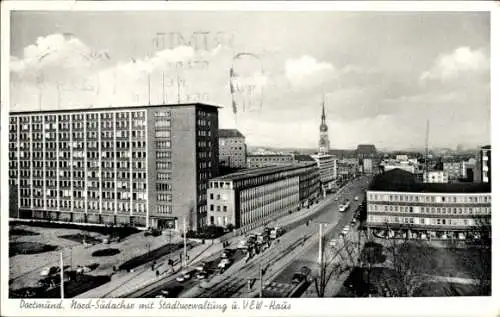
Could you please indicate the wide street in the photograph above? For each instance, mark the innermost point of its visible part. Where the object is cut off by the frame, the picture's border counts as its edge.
(234, 279)
(228, 285)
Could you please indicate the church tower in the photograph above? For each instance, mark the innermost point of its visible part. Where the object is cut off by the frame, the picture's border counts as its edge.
(324, 143)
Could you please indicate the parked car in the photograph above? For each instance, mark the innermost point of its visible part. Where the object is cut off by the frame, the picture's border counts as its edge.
(49, 271)
(202, 275)
(185, 275)
(201, 267)
(333, 243)
(224, 263)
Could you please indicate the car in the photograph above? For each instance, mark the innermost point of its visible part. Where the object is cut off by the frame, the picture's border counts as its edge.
(164, 293)
(336, 199)
(201, 267)
(49, 271)
(202, 275)
(356, 198)
(224, 263)
(185, 275)
(333, 242)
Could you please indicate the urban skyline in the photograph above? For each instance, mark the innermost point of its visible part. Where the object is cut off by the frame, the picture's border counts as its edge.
(375, 98)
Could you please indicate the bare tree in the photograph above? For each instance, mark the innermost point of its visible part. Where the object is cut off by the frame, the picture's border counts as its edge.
(335, 261)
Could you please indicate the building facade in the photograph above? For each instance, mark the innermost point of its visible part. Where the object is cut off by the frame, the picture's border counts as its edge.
(244, 197)
(327, 165)
(399, 206)
(232, 148)
(143, 166)
(368, 166)
(324, 141)
(435, 177)
(486, 164)
(264, 160)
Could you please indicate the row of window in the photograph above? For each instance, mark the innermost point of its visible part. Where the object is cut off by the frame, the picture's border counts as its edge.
(218, 208)
(164, 197)
(428, 221)
(164, 209)
(430, 210)
(431, 198)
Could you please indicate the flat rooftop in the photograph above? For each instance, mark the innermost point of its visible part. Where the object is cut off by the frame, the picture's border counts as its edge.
(398, 180)
(102, 109)
(261, 171)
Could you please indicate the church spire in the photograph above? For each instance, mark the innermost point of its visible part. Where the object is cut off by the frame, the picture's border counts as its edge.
(324, 143)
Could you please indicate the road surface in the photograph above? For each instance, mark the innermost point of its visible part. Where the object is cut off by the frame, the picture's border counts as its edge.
(236, 284)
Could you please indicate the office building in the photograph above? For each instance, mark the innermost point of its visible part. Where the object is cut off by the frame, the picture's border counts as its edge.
(264, 160)
(398, 205)
(144, 166)
(248, 196)
(366, 151)
(368, 166)
(327, 165)
(486, 164)
(232, 148)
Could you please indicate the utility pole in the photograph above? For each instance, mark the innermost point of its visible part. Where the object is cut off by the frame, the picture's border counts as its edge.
(320, 244)
(163, 86)
(149, 89)
(178, 87)
(261, 280)
(62, 274)
(185, 244)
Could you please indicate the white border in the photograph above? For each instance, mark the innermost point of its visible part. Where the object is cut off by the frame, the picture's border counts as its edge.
(462, 306)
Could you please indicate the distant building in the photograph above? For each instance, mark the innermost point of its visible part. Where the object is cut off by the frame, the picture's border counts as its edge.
(453, 169)
(324, 142)
(368, 166)
(435, 177)
(145, 166)
(400, 206)
(486, 164)
(388, 165)
(402, 157)
(302, 158)
(366, 151)
(347, 168)
(232, 148)
(327, 165)
(243, 198)
(264, 160)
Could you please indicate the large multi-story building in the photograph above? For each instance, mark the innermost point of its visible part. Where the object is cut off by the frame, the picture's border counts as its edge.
(486, 164)
(232, 148)
(399, 205)
(145, 166)
(264, 160)
(368, 166)
(248, 196)
(327, 165)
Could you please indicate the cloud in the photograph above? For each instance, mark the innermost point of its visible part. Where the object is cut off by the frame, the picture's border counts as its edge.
(306, 70)
(463, 60)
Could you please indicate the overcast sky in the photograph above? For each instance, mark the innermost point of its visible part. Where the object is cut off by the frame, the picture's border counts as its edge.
(382, 74)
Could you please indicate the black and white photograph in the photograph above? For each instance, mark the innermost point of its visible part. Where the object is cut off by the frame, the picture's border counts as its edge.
(261, 154)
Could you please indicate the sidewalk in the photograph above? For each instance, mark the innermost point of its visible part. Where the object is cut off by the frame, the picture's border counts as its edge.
(124, 283)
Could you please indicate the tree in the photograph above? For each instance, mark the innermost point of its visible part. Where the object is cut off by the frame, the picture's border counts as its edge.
(411, 262)
(335, 261)
(482, 238)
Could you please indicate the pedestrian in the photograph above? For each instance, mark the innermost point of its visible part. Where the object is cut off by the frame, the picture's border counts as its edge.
(157, 273)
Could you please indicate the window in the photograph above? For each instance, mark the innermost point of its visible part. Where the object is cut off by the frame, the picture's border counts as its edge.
(162, 134)
(224, 208)
(211, 207)
(163, 144)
